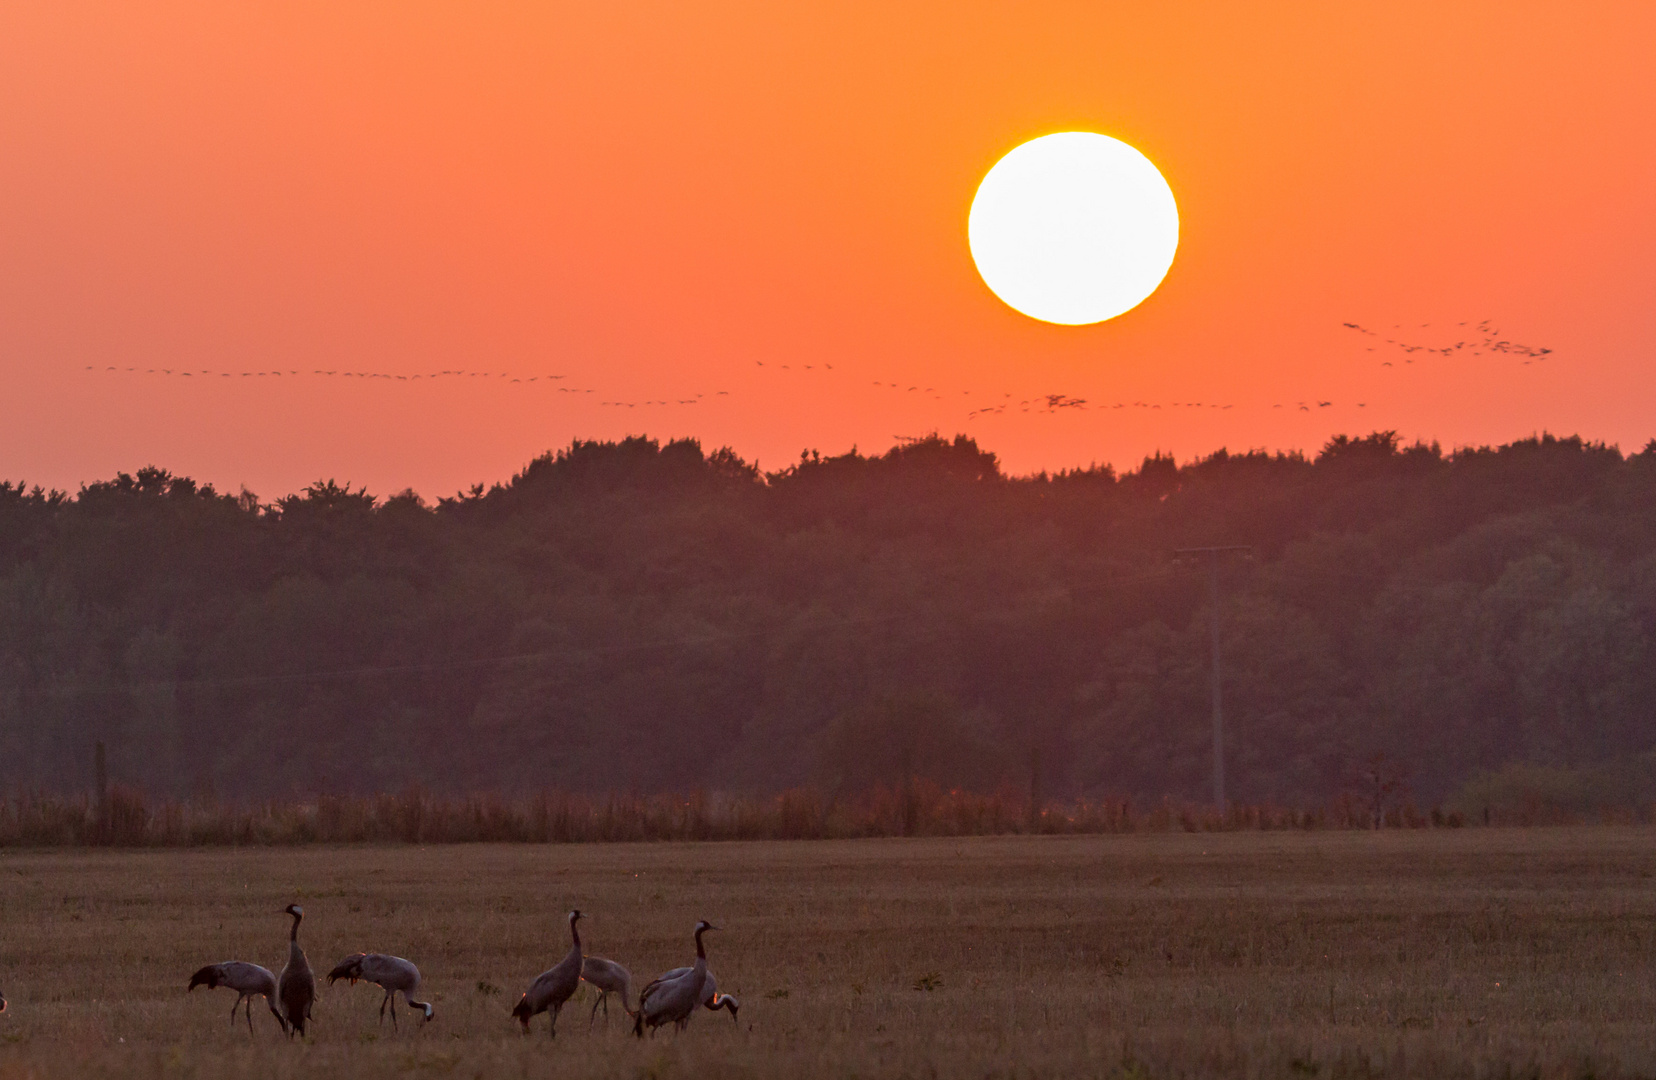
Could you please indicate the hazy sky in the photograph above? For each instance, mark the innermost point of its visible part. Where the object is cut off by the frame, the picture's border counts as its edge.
(652, 199)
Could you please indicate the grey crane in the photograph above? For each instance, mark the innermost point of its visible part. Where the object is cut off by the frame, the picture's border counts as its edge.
(553, 986)
(609, 978)
(672, 1001)
(390, 973)
(296, 986)
(711, 998)
(247, 980)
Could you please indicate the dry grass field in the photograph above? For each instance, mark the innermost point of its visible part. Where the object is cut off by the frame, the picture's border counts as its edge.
(1426, 953)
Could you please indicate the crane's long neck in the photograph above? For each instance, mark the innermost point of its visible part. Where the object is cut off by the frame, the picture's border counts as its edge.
(699, 973)
(575, 935)
(293, 935)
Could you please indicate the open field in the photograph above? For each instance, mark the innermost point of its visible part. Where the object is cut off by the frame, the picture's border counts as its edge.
(1486, 952)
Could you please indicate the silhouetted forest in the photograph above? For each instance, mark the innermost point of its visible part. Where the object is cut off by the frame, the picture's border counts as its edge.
(642, 617)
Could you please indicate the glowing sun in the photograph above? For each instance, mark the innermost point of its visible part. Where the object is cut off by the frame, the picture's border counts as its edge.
(1073, 228)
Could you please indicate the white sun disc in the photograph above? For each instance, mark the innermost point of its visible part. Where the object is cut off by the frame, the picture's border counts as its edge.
(1073, 228)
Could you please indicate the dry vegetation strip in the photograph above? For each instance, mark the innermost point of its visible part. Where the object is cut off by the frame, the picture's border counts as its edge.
(124, 818)
(1467, 952)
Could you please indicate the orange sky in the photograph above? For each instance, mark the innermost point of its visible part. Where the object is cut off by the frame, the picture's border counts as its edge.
(650, 199)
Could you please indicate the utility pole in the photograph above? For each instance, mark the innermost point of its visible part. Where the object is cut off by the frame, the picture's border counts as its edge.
(1213, 554)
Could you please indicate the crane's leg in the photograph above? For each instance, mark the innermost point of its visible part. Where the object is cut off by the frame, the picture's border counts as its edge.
(233, 1009)
(552, 1029)
(249, 1011)
(383, 1000)
(391, 999)
(594, 1017)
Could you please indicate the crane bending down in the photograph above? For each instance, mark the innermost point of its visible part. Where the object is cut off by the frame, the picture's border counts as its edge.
(390, 973)
(672, 1001)
(554, 986)
(247, 980)
(609, 978)
(296, 986)
(712, 1000)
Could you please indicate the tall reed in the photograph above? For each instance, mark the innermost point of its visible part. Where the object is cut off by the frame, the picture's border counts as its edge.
(126, 818)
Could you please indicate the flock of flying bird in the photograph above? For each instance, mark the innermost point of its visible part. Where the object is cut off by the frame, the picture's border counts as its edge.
(1040, 403)
(1476, 339)
(1483, 338)
(292, 373)
(671, 998)
(499, 376)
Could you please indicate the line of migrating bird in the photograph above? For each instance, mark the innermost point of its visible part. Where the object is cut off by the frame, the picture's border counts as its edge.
(670, 998)
(1040, 403)
(1055, 402)
(278, 373)
(1044, 403)
(1483, 339)
(500, 378)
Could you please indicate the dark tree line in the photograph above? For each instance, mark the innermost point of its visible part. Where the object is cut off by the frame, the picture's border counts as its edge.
(633, 616)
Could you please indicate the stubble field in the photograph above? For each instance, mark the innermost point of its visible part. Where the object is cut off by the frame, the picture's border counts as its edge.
(1441, 953)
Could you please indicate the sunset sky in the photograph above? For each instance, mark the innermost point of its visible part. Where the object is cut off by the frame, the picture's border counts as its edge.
(670, 202)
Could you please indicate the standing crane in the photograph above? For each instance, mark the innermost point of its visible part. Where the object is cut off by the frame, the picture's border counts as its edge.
(390, 973)
(553, 986)
(672, 1001)
(296, 987)
(609, 978)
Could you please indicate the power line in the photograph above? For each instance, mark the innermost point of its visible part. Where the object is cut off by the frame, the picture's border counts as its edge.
(1213, 554)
